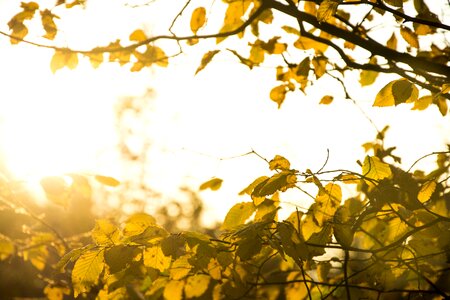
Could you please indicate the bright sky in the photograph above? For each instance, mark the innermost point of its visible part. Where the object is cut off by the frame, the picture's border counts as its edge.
(64, 122)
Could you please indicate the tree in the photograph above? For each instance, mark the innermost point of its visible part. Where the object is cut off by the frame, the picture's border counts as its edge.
(390, 240)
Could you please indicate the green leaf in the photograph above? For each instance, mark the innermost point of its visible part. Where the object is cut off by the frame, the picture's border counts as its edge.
(206, 59)
(196, 285)
(374, 168)
(237, 215)
(105, 233)
(213, 184)
(86, 271)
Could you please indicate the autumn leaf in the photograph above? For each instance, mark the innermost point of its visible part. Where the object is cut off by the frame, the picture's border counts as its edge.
(213, 184)
(106, 180)
(279, 163)
(6, 247)
(396, 92)
(392, 42)
(105, 233)
(87, 270)
(237, 215)
(174, 290)
(278, 94)
(423, 102)
(137, 223)
(249, 189)
(206, 59)
(375, 169)
(56, 292)
(326, 100)
(327, 9)
(63, 58)
(49, 24)
(196, 285)
(397, 3)
(155, 258)
(198, 19)
(426, 191)
(138, 36)
(368, 77)
(409, 36)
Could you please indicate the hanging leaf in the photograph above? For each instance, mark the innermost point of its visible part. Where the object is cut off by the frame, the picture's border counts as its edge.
(198, 19)
(396, 92)
(86, 271)
(368, 77)
(278, 182)
(279, 163)
(426, 191)
(206, 59)
(423, 102)
(49, 24)
(174, 290)
(137, 223)
(63, 58)
(106, 180)
(410, 37)
(326, 100)
(319, 63)
(392, 42)
(180, 268)
(237, 215)
(105, 233)
(374, 168)
(278, 94)
(213, 184)
(138, 36)
(327, 9)
(396, 3)
(196, 285)
(155, 258)
(249, 189)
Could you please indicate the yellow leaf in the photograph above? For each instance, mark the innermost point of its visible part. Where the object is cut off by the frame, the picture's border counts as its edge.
(233, 17)
(138, 35)
(426, 191)
(105, 233)
(117, 54)
(86, 271)
(215, 269)
(174, 290)
(423, 102)
(279, 163)
(196, 285)
(326, 99)
(198, 19)
(349, 179)
(137, 223)
(441, 102)
(278, 94)
(304, 43)
(396, 92)
(237, 215)
(397, 3)
(374, 168)
(299, 289)
(49, 24)
(310, 7)
(212, 184)
(368, 77)
(327, 201)
(56, 292)
(95, 57)
(445, 88)
(106, 180)
(392, 42)
(319, 64)
(409, 36)
(63, 58)
(206, 59)
(249, 189)
(326, 10)
(180, 268)
(6, 247)
(155, 258)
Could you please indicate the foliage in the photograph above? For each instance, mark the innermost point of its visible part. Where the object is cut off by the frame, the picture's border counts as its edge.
(390, 239)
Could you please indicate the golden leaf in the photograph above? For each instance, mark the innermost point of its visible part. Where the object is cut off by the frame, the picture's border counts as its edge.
(155, 258)
(49, 24)
(196, 285)
(374, 168)
(409, 36)
(423, 102)
(106, 180)
(198, 19)
(367, 77)
(396, 92)
(278, 94)
(326, 10)
(237, 215)
(279, 163)
(63, 58)
(213, 184)
(319, 63)
(206, 59)
(174, 290)
(56, 292)
(426, 191)
(86, 271)
(137, 223)
(138, 35)
(105, 233)
(392, 42)
(326, 100)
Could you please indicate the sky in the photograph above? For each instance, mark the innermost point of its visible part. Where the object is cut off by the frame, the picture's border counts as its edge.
(200, 125)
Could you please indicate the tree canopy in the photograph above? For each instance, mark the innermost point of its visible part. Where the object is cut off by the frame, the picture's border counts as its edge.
(388, 240)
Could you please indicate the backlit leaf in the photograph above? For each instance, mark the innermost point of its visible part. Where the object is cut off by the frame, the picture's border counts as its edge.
(323, 269)
(206, 59)
(426, 191)
(56, 292)
(279, 163)
(138, 36)
(155, 258)
(95, 57)
(198, 19)
(327, 9)
(106, 180)
(105, 233)
(397, 3)
(213, 184)
(180, 268)
(249, 189)
(49, 24)
(445, 88)
(409, 36)
(137, 223)
(423, 102)
(368, 77)
(392, 42)
(327, 201)
(326, 100)
(319, 63)
(237, 215)
(441, 102)
(304, 43)
(63, 58)
(119, 257)
(174, 290)
(374, 168)
(196, 285)
(278, 94)
(6, 247)
(86, 271)
(278, 182)
(396, 92)
(297, 289)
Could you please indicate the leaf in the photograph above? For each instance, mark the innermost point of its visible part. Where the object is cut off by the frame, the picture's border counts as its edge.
(392, 42)
(304, 43)
(138, 36)
(206, 59)
(367, 77)
(180, 268)
(290, 30)
(374, 168)
(56, 190)
(445, 88)
(118, 53)
(279, 163)
(278, 94)
(278, 182)
(233, 17)
(137, 223)
(196, 285)
(323, 269)
(174, 290)
(297, 289)
(326, 10)
(119, 257)
(326, 100)
(198, 19)
(63, 58)
(327, 200)
(396, 92)
(237, 215)
(105, 233)
(213, 184)
(155, 258)
(49, 24)
(410, 37)
(249, 189)
(56, 292)
(95, 57)
(426, 191)
(423, 102)
(173, 245)
(319, 63)
(86, 271)
(71, 256)
(293, 243)
(342, 229)
(106, 180)
(6, 247)
(441, 102)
